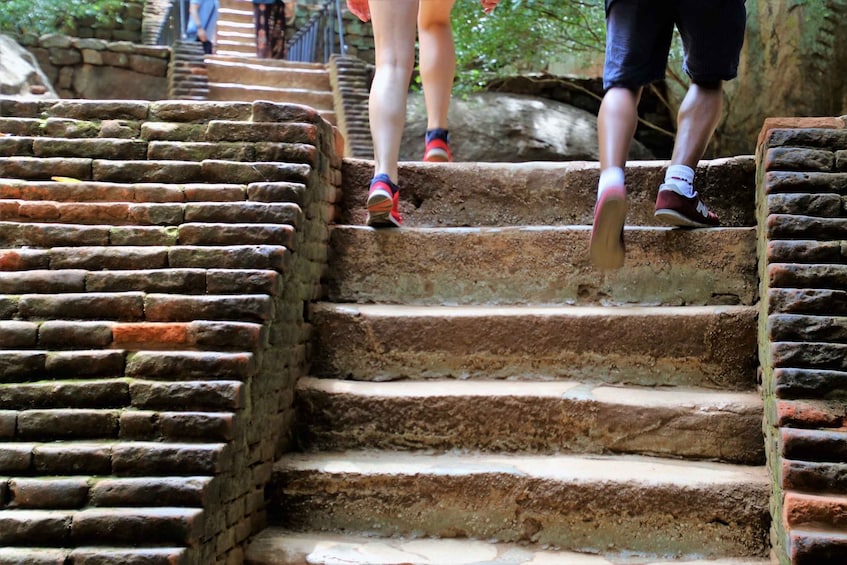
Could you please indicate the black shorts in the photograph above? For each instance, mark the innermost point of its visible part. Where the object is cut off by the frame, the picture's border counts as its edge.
(639, 34)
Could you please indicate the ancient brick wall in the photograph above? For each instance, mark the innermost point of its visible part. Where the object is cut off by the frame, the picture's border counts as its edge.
(802, 188)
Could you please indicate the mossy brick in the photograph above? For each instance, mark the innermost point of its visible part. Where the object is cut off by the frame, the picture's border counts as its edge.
(820, 276)
(100, 109)
(21, 365)
(265, 111)
(48, 493)
(792, 327)
(814, 445)
(74, 334)
(85, 306)
(166, 214)
(189, 395)
(149, 491)
(246, 173)
(21, 127)
(32, 527)
(199, 151)
(125, 526)
(188, 281)
(214, 192)
(170, 131)
(826, 205)
(809, 383)
(245, 212)
(120, 129)
(797, 159)
(83, 393)
(234, 234)
(792, 226)
(278, 192)
(826, 302)
(805, 355)
(167, 459)
(199, 111)
(85, 363)
(288, 153)
(804, 251)
(70, 129)
(143, 235)
(240, 336)
(72, 458)
(58, 235)
(24, 108)
(16, 458)
(807, 137)
(248, 281)
(109, 258)
(8, 307)
(812, 476)
(175, 308)
(146, 171)
(290, 132)
(60, 57)
(230, 257)
(35, 168)
(18, 335)
(122, 149)
(190, 366)
(16, 146)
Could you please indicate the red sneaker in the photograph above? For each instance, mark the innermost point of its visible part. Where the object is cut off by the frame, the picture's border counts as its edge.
(606, 248)
(438, 150)
(681, 211)
(384, 203)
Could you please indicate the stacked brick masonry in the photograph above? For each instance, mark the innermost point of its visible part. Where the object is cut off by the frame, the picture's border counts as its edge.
(351, 83)
(803, 333)
(136, 355)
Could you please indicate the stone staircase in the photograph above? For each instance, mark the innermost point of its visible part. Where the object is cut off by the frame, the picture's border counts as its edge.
(480, 394)
(156, 259)
(236, 29)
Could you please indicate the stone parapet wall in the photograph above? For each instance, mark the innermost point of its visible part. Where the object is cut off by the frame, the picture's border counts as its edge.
(89, 68)
(802, 190)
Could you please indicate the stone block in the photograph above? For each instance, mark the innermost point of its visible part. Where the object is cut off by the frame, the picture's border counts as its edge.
(146, 171)
(169, 308)
(785, 226)
(18, 335)
(203, 111)
(124, 526)
(214, 193)
(143, 235)
(45, 168)
(190, 365)
(176, 459)
(245, 212)
(804, 251)
(809, 355)
(790, 327)
(121, 149)
(801, 509)
(199, 151)
(236, 234)
(808, 383)
(70, 128)
(67, 424)
(48, 493)
(97, 109)
(32, 527)
(273, 257)
(191, 395)
(278, 192)
(814, 445)
(16, 366)
(825, 302)
(173, 280)
(797, 159)
(149, 491)
(246, 173)
(72, 459)
(110, 258)
(827, 205)
(814, 476)
(168, 131)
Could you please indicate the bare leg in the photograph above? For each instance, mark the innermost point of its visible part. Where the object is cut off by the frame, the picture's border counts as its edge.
(437, 59)
(697, 119)
(616, 124)
(394, 39)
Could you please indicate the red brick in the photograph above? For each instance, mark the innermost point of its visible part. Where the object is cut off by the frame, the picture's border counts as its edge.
(811, 509)
(161, 335)
(791, 122)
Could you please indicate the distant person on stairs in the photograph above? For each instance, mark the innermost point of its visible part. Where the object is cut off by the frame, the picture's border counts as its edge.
(638, 41)
(395, 25)
(271, 18)
(202, 23)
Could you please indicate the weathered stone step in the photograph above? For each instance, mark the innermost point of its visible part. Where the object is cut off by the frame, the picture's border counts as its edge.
(318, 99)
(100, 526)
(589, 504)
(497, 194)
(713, 347)
(540, 265)
(17, 366)
(567, 417)
(274, 257)
(121, 458)
(279, 63)
(78, 492)
(256, 73)
(159, 281)
(57, 234)
(138, 193)
(209, 396)
(278, 546)
(98, 554)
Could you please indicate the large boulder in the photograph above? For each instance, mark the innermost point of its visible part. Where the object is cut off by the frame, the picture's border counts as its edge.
(497, 127)
(20, 74)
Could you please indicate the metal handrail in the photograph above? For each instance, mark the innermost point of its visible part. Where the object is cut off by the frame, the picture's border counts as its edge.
(319, 31)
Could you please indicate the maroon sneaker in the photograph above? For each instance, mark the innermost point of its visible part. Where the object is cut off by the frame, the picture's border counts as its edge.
(681, 211)
(606, 248)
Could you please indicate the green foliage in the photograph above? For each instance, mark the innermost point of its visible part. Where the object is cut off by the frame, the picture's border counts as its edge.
(523, 36)
(51, 16)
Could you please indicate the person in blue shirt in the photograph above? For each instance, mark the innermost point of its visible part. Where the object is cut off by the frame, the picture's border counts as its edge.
(202, 23)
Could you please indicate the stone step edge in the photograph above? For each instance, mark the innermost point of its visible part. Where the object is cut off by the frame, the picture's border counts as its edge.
(279, 546)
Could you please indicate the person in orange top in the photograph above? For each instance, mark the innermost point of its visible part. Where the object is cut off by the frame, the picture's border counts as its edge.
(395, 23)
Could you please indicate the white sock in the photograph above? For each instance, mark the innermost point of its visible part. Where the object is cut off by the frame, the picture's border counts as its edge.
(682, 178)
(613, 176)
